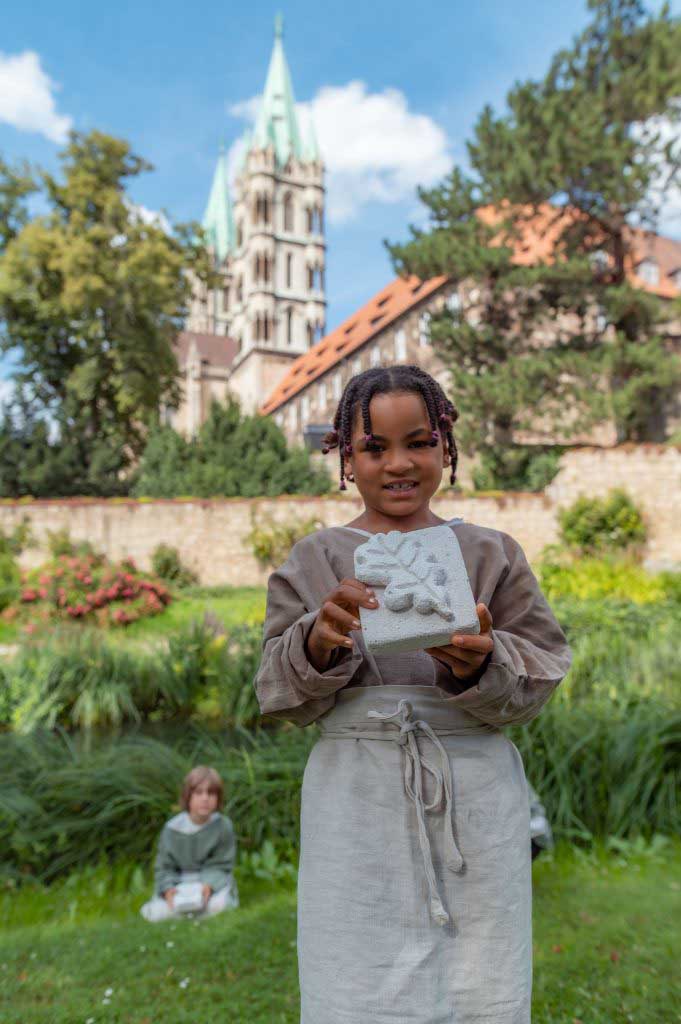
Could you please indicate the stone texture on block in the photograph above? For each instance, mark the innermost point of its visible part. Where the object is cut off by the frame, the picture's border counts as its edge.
(422, 588)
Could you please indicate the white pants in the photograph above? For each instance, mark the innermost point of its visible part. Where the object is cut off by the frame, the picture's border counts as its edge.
(157, 908)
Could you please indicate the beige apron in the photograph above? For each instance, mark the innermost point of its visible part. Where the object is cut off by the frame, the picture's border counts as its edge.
(414, 892)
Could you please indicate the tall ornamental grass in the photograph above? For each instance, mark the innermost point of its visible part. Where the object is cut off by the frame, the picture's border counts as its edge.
(64, 805)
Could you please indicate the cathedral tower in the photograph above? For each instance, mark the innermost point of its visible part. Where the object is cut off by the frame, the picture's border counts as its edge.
(267, 237)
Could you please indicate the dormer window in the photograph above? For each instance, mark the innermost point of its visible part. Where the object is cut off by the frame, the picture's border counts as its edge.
(648, 271)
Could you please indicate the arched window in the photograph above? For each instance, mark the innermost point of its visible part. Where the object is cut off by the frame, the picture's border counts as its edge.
(310, 334)
(310, 277)
(288, 212)
(289, 326)
(309, 216)
(289, 269)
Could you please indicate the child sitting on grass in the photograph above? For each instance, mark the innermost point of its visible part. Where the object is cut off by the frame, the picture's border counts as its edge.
(196, 847)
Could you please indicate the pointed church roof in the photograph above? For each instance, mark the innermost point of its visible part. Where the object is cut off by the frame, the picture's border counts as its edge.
(218, 220)
(277, 122)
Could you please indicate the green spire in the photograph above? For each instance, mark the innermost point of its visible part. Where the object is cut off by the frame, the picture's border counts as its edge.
(312, 152)
(277, 124)
(218, 220)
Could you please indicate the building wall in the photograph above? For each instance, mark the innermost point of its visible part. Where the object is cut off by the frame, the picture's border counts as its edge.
(210, 533)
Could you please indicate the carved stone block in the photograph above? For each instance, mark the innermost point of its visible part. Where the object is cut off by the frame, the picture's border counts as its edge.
(422, 589)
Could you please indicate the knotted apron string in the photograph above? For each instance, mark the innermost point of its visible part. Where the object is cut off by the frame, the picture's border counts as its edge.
(414, 765)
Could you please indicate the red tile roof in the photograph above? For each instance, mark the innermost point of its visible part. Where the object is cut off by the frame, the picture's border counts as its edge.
(216, 349)
(385, 307)
(539, 236)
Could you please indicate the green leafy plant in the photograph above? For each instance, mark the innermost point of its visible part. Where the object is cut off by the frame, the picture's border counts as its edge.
(167, 565)
(271, 542)
(592, 525)
(86, 588)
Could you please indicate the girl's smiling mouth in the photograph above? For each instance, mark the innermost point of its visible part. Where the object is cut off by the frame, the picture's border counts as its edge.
(401, 486)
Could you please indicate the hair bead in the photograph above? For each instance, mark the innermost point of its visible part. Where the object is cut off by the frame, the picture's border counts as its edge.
(343, 486)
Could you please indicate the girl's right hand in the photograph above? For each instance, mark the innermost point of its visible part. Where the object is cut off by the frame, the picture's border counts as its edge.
(338, 615)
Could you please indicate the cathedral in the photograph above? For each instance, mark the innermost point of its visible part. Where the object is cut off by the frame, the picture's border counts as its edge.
(265, 230)
(261, 335)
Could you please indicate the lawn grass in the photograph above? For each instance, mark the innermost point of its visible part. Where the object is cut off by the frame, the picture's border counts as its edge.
(606, 931)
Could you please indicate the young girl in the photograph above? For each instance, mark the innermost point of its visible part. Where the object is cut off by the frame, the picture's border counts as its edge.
(197, 845)
(414, 900)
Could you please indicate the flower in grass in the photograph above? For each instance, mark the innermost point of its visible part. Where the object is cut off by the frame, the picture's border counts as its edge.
(90, 1020)
(108, 992)
(169, 945)
(105, 1002)
(184, 982)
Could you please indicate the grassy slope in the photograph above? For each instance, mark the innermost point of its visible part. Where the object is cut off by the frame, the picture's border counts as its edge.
(605, 934)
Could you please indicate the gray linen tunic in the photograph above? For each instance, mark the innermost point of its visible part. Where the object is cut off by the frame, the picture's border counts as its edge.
(414, 888)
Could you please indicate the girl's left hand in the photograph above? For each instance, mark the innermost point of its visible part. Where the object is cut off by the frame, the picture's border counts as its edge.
(466, 653)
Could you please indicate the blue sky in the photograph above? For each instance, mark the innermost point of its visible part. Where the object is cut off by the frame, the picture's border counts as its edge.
(394, 89)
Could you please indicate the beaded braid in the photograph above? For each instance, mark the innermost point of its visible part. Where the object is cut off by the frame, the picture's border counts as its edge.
(382, 380)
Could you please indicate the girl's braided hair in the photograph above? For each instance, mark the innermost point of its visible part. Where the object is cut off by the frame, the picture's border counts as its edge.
(382, 380)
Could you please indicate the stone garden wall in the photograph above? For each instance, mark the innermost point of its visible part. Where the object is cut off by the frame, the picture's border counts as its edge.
(209, 533)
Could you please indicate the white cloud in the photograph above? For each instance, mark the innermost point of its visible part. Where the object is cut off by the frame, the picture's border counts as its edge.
(147, 216)
(375, 148)
(26, 97)
(663, 137)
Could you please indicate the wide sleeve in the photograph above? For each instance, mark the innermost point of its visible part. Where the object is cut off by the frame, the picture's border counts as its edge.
(166, 869)
(216, 869)
(286, 684)
(530, 655)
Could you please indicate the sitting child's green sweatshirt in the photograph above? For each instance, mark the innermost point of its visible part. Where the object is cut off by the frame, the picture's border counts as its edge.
(187, 851)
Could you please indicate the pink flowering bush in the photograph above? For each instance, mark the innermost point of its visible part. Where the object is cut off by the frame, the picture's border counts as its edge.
(87, 588)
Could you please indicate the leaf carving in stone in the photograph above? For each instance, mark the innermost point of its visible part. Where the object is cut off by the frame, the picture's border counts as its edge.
(411, 577)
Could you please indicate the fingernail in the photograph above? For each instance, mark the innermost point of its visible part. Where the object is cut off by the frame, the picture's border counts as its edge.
(461, 641)
(356, 623)
(372, 600)
(348, 643)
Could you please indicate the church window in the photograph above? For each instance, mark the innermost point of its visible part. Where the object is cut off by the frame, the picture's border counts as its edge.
(400, 345)
(240, 290)
(289, 269)
(309, 215)
(289, 326)
(225, 299)
(424, 330)
(310, 334)
(239, 235)
(320, 221)
(288, 212)
(310, 277)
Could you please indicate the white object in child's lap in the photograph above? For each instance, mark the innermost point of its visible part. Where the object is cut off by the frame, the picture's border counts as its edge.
(188, 897)
(422, 589)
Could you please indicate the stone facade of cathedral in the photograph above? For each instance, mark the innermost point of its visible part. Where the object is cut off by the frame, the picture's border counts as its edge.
(266, 233)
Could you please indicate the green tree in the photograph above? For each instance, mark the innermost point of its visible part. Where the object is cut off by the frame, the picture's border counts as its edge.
(579, 157)
(231, 456)
(92, 297)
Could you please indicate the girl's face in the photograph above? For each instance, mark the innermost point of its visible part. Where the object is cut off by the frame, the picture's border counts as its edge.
(202, 802)
(398, 472)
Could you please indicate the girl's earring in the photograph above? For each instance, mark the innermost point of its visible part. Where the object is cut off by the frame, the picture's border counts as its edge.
(350, 477)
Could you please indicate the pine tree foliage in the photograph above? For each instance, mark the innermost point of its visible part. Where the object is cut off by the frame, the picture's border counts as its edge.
(559, 343)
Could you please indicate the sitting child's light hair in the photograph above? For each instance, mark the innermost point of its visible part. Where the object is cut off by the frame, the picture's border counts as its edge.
(202, 773)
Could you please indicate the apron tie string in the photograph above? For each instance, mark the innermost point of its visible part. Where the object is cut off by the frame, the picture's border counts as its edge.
(414, 765)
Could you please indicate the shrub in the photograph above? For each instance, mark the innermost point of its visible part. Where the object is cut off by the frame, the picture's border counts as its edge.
(11, 545)
(271, 542)
(517, 468)
(166, 564)
(592, 525)
(620, 579)
(87, 588)
(59, 543)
